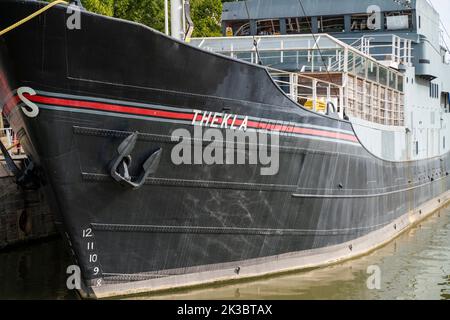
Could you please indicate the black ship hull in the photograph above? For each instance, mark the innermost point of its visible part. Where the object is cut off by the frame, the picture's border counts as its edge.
(190, 224)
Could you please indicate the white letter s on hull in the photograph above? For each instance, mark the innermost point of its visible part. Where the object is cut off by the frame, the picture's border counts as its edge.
(31, 110)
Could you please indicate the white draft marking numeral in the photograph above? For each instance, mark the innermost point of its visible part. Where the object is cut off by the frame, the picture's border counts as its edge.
(87, 233)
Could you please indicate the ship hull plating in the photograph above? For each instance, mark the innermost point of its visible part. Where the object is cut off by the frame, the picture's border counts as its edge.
(190, 224)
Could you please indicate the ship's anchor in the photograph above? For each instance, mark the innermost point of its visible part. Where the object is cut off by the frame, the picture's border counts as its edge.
(123, 161)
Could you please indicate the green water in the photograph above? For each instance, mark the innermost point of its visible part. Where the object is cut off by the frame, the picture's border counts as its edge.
(414, 266)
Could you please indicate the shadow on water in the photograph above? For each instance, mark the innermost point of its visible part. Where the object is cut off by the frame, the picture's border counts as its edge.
(413, 266)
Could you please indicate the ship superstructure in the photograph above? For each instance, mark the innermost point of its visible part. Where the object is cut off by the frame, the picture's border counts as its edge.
(391, 77)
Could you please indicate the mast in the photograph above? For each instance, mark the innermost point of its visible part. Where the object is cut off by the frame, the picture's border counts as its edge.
(176, 19)
(166, 16)
(180, 20)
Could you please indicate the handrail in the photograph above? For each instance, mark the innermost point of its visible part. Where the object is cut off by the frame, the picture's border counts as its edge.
(275, 71)
(314, 98)
(401, 47)
(286, 37)
(287, 44)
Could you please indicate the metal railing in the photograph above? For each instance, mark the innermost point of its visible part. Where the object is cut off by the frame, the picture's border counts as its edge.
(310, 92)
(361, 44)
(298, 52)
(398, 50)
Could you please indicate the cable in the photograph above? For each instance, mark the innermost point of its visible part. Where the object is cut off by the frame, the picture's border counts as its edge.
(31, 16)
(255, 43)
(315, 40)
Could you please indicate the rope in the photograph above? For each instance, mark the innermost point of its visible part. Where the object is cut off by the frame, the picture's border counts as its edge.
(255, 43)
(31, 16)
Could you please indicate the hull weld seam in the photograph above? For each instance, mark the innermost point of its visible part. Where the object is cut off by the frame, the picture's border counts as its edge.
(227, 231)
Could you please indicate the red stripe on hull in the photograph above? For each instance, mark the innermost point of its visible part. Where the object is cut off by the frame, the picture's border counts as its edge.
(110, 107)
(179, 116)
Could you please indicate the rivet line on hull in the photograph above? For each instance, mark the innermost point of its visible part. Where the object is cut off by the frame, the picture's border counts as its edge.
(227, 230)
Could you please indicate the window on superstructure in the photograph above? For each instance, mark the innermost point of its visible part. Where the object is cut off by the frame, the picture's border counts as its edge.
(446, 97)
(398, 20)
(434, 90)
(268, 27)
(359, 22)
(297, 25)
(240, 28)
(329, 24)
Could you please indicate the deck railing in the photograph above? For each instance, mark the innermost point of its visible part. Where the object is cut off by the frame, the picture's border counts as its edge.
(359, 85)
(310, 92)
(394, 49)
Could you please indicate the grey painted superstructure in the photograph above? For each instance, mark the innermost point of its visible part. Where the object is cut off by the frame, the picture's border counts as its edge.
(267, 9)
(425, 131)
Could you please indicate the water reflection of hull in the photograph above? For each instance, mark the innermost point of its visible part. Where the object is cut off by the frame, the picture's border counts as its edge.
(189, 225)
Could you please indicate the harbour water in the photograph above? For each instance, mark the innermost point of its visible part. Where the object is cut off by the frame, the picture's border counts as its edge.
(414, 266)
